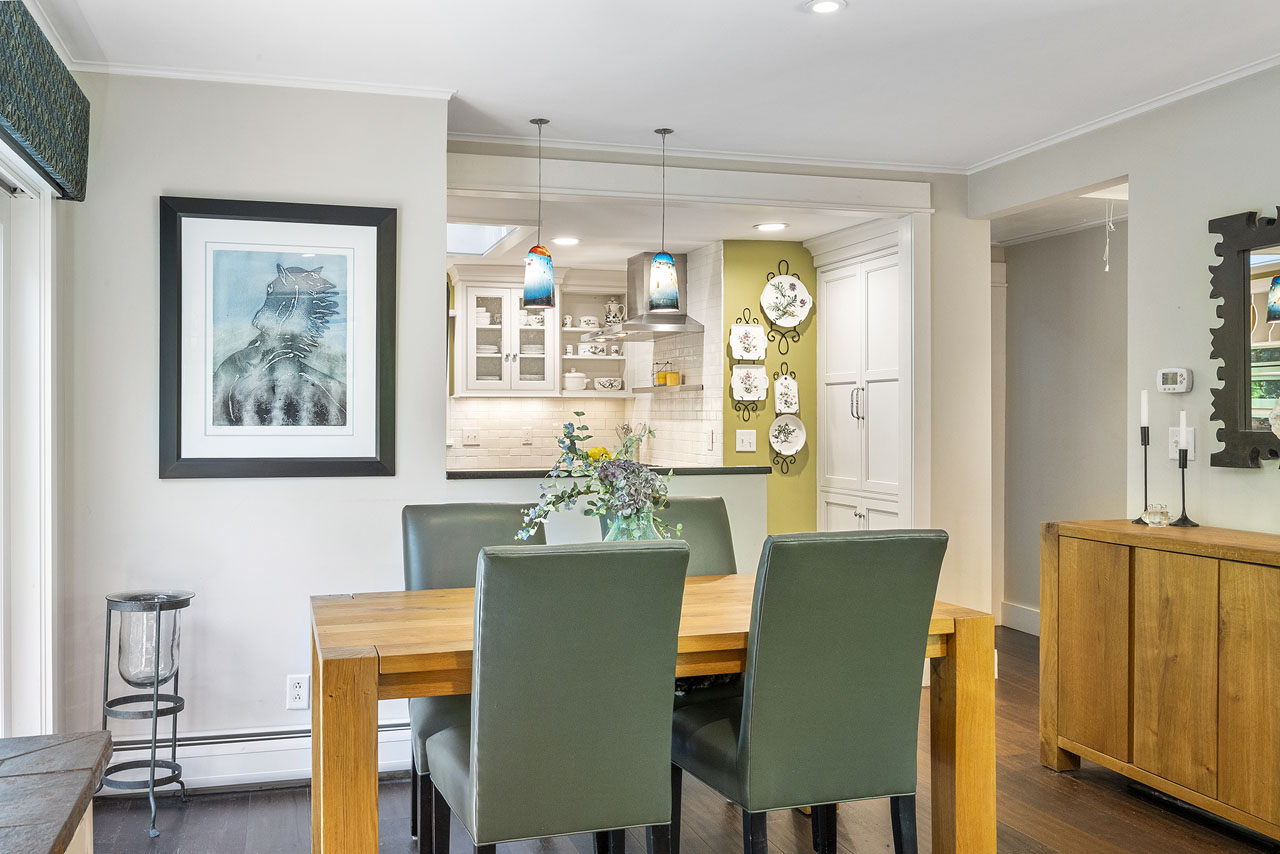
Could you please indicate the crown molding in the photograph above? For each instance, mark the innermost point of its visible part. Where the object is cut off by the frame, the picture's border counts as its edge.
(1129, 112)
(263, 80)
(45, 23)
(708, 154)
(1058, 232)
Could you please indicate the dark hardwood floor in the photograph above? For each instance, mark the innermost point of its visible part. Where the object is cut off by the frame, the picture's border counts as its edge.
(1091, 811)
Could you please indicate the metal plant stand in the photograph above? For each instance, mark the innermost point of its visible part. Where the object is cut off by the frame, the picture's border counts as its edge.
(141, 659)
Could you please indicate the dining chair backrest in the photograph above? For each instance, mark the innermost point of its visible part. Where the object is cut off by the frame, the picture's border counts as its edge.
(442, 541)
(706, 530)
(831, 699)
(575, 652)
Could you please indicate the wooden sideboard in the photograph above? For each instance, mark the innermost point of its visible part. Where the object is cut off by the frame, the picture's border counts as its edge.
(1160, 660)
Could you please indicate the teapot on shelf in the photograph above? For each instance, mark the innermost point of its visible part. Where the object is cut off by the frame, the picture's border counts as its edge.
(614, 312)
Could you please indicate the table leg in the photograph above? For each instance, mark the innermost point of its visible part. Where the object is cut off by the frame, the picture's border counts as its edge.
(344, 776)
(962, 734)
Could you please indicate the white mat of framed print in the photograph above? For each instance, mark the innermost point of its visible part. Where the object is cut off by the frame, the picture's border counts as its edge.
(280, 354)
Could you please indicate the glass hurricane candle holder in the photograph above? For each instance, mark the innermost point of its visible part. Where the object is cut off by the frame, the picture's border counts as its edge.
(137, 653)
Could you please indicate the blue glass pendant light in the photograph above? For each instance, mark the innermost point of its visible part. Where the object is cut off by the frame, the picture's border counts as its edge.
(664, 287)
(539, 283)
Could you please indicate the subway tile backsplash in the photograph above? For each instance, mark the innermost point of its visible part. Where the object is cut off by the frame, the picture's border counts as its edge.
(689, 425)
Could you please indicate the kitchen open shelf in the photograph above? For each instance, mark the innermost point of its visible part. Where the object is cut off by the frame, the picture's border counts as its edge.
(664, 389)
(595, 393)
(606, 358)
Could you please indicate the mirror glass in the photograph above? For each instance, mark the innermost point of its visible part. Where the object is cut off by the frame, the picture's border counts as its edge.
(1264, 337)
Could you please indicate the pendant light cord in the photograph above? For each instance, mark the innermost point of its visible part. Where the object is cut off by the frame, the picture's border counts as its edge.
(539, 185)
(662, 132)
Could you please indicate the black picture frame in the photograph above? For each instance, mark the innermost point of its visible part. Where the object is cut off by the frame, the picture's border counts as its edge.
(1241, 234)
(173, 463)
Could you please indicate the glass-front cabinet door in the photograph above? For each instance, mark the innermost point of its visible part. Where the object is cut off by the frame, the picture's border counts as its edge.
(487, 352)
(532, 347)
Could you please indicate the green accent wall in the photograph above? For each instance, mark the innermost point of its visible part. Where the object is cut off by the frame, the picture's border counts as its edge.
(793, 497)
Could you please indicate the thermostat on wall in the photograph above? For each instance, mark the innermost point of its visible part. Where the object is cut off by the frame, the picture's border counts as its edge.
(1174, 379)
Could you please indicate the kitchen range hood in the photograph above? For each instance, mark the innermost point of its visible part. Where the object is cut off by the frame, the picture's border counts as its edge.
(642, 323)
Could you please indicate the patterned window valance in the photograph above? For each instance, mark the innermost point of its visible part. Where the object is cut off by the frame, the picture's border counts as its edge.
(42, 109)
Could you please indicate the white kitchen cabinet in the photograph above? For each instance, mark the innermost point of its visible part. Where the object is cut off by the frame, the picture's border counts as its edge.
(863, 411)
(496, 352)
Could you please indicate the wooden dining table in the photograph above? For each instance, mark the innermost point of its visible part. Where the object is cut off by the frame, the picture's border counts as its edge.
(368, 647)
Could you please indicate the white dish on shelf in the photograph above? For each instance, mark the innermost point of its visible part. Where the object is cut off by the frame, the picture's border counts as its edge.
(575, 381)
(608, 383)
(786, 434)
(589, 321)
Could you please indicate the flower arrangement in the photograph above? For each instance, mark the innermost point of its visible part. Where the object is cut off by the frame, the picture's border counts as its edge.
(611, 483)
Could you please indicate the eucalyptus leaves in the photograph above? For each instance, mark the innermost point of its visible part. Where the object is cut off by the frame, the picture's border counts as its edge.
(613, 484)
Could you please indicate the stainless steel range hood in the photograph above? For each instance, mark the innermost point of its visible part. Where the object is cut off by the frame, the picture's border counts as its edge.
(643, 324)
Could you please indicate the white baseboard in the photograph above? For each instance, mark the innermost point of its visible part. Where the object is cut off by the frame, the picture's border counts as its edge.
(256, 763)
(1020, 617)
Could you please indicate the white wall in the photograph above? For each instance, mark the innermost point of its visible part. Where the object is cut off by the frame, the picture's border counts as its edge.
(1187, 163)
(1065, 398)
(253, 550)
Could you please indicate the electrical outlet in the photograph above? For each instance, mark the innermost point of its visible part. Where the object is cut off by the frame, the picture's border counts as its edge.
(471, 437)
(526, 438)
(1173, 443)
(746, 440)
(297, 691)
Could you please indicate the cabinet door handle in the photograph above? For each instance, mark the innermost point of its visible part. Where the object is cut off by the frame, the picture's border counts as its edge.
(853, 406)
(859, 515)
(857, 400)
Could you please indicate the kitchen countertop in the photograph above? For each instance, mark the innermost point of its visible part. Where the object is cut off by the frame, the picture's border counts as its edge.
(533, 474)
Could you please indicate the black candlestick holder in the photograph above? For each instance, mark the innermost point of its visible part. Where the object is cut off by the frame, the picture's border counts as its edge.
(1146, 442)
(1183, 521)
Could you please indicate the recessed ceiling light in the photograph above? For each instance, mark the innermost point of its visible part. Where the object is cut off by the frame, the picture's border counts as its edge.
(565, 241)
(771, 226)
(825, 7)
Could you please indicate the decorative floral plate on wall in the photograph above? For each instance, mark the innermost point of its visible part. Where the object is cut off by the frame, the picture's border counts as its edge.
(786, 434)
(747, 341)
(750, 382)
(786, 301)
(786, 395)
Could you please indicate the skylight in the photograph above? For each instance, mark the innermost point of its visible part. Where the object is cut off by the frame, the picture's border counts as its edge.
(470, 238)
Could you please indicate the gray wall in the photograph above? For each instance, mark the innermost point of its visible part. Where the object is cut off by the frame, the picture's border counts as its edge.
(1186, 163)
(1065, 434)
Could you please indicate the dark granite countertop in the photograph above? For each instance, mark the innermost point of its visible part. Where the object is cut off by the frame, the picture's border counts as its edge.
(534, 474)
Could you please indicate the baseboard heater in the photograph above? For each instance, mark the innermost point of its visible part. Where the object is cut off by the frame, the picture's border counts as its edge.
(184, 741)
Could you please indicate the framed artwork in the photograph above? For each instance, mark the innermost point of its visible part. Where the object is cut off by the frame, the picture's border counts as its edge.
(277, 339)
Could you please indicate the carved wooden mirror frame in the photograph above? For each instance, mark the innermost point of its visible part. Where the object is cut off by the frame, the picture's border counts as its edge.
(1241, 234)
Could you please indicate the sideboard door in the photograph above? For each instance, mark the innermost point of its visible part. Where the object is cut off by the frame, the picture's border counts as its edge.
(1175, 668)
(1249, 689)
(1093, 645)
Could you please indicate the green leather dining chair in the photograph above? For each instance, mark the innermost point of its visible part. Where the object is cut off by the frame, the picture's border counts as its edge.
(441, 543)
(570, 731)
(830, 705)
(706, 530)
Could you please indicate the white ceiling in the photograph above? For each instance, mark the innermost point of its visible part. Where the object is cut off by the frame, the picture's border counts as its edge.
(612, 230)
(938, 83)
(1057, 217)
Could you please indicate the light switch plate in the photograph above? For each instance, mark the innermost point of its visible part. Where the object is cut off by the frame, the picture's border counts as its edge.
(470, 437)
(746, 440)
(1191, 443)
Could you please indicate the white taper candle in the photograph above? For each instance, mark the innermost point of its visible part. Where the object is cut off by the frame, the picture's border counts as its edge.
(1146, 411)
(1182, 429)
